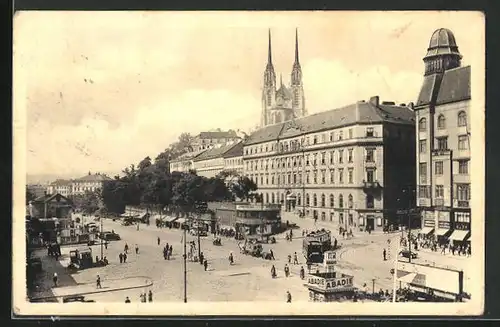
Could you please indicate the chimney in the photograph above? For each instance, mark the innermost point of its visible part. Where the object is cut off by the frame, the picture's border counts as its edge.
(375, 100)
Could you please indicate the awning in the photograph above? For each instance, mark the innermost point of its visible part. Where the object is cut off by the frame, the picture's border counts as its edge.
(408, 278)
(426, 230)
(170, 219)
(441, 231)
(459, 235)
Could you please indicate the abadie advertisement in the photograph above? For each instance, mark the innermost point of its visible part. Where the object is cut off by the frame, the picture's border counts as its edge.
(330, 284)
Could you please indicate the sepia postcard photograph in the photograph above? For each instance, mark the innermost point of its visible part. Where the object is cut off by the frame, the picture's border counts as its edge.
(248, 163)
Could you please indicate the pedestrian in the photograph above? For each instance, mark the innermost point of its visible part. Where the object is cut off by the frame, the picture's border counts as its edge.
(136, 249)
(201, 258)
(385, 255)
(127, 300)
(143, 297)
(288, 297)
(171, 250)
(468, 251)
(150, 296)
(54, 279)
(273, 272)
(120, 256)
(287, 270)
(125, 249)
(158, 240)
(289, 259)
(302, 272)
(343, 234)
(137, 226)
(205, 264)
(272, 254)
(106, 245)
(98, 281)
(125, 257)
(231, 258)
(335, 244)
(295, 259)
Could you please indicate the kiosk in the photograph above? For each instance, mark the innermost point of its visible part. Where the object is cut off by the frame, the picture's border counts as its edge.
(329, 285)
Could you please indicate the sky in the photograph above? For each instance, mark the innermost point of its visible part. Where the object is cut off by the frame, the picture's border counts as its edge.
(103, 90)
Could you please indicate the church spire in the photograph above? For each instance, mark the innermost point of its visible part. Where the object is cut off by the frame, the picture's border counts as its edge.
(269, 54)
(296, 47)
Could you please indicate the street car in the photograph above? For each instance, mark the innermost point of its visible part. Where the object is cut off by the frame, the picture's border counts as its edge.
(110, 236)
(407, 254)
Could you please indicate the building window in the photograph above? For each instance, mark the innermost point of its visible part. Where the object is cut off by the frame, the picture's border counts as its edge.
(438, 167)
(323, 158)
(315, 161)
(323, 216)
(307, 160)
(350, 133)
(307, 178)
(422, 125)
(442, 143)
(424, 192)
(462, 119)
(351, 220)
(331, 157)
(341, 176)
(341, 201)
(422, 169)
(294, 178)
(463, 192)
(463, 142)
(331, 216)
(307, 200)
(441, 122)
(315, 200)
(349, 155)
(369, 132)
(370, 175)
(298, 200)
(315, 139)
(323, 138)
(422, 146)
(315, 178)
(341, 218)
(341, 135)
(350, 201)
(341, 156)
(439, 191)
(370, 201)
(370, 155)
(323, 200)
(351, 175)
(323, 177)
(463, 167)
(332, 201)
(331, 137)
(332, 176)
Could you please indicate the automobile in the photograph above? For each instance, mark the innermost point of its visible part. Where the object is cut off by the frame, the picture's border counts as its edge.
(75, 298)
(406, 254)
(196, 232)
(110, 236)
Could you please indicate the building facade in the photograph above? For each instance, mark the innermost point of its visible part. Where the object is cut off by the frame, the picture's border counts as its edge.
(285, 103)
(212, 162)
(185, 162)
(61, 186)
(37, 190)
(88, 183)
(233, 159)
(207, 140)
(350, 166)
(442, 141)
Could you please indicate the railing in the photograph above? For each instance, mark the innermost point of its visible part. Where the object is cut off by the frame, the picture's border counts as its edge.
(439, 202)
(373, 184)
(462, 204)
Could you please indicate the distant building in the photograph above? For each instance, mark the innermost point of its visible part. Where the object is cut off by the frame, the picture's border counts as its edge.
(442, 140)
(185, 163)
(51, 206)
(284, 103)
(349, 166)
(206, 140)
(233, 159)
(88, 183)
(61, 186)
(211, 162)
(38, 190)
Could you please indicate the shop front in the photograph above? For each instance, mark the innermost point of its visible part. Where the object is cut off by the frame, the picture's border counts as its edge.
(461, 229)
(428, 224)
(291, 202)
(444, 227)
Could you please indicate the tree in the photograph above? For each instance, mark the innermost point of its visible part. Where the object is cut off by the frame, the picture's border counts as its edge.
(243, 188)
(30, 196)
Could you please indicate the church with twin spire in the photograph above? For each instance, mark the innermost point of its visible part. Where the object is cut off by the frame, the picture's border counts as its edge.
(283, 103)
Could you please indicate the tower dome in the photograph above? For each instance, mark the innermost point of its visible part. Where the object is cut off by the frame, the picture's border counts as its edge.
(442, 53)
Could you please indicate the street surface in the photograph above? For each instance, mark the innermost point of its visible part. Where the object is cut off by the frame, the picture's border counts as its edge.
(249, 279)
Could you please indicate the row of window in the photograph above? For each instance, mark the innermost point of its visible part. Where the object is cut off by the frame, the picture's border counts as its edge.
(294, 145)
(296, 178)
(350, 218)
(463, 169)
(441, 121)
(442, 143)
(310, 160)
(280, 197)
(462, 192)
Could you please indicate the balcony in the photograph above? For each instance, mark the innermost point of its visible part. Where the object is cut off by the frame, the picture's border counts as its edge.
(441, 152)
(371, 185)
(462, 204)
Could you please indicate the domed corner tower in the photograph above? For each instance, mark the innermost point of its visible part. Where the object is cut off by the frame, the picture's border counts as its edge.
(442, 53)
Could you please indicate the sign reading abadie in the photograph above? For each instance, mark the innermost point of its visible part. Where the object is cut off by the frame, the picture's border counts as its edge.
(330, 283)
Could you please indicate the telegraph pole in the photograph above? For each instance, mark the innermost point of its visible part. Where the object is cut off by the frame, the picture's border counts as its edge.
(185, 268)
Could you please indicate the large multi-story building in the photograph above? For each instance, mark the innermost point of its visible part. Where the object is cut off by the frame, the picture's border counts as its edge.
(207, 140)
(89, 183)
(285, 103)
(442, 139)
(211, 162)
(184, 163)
(353, 166)
(233, 159)
(61, 186)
